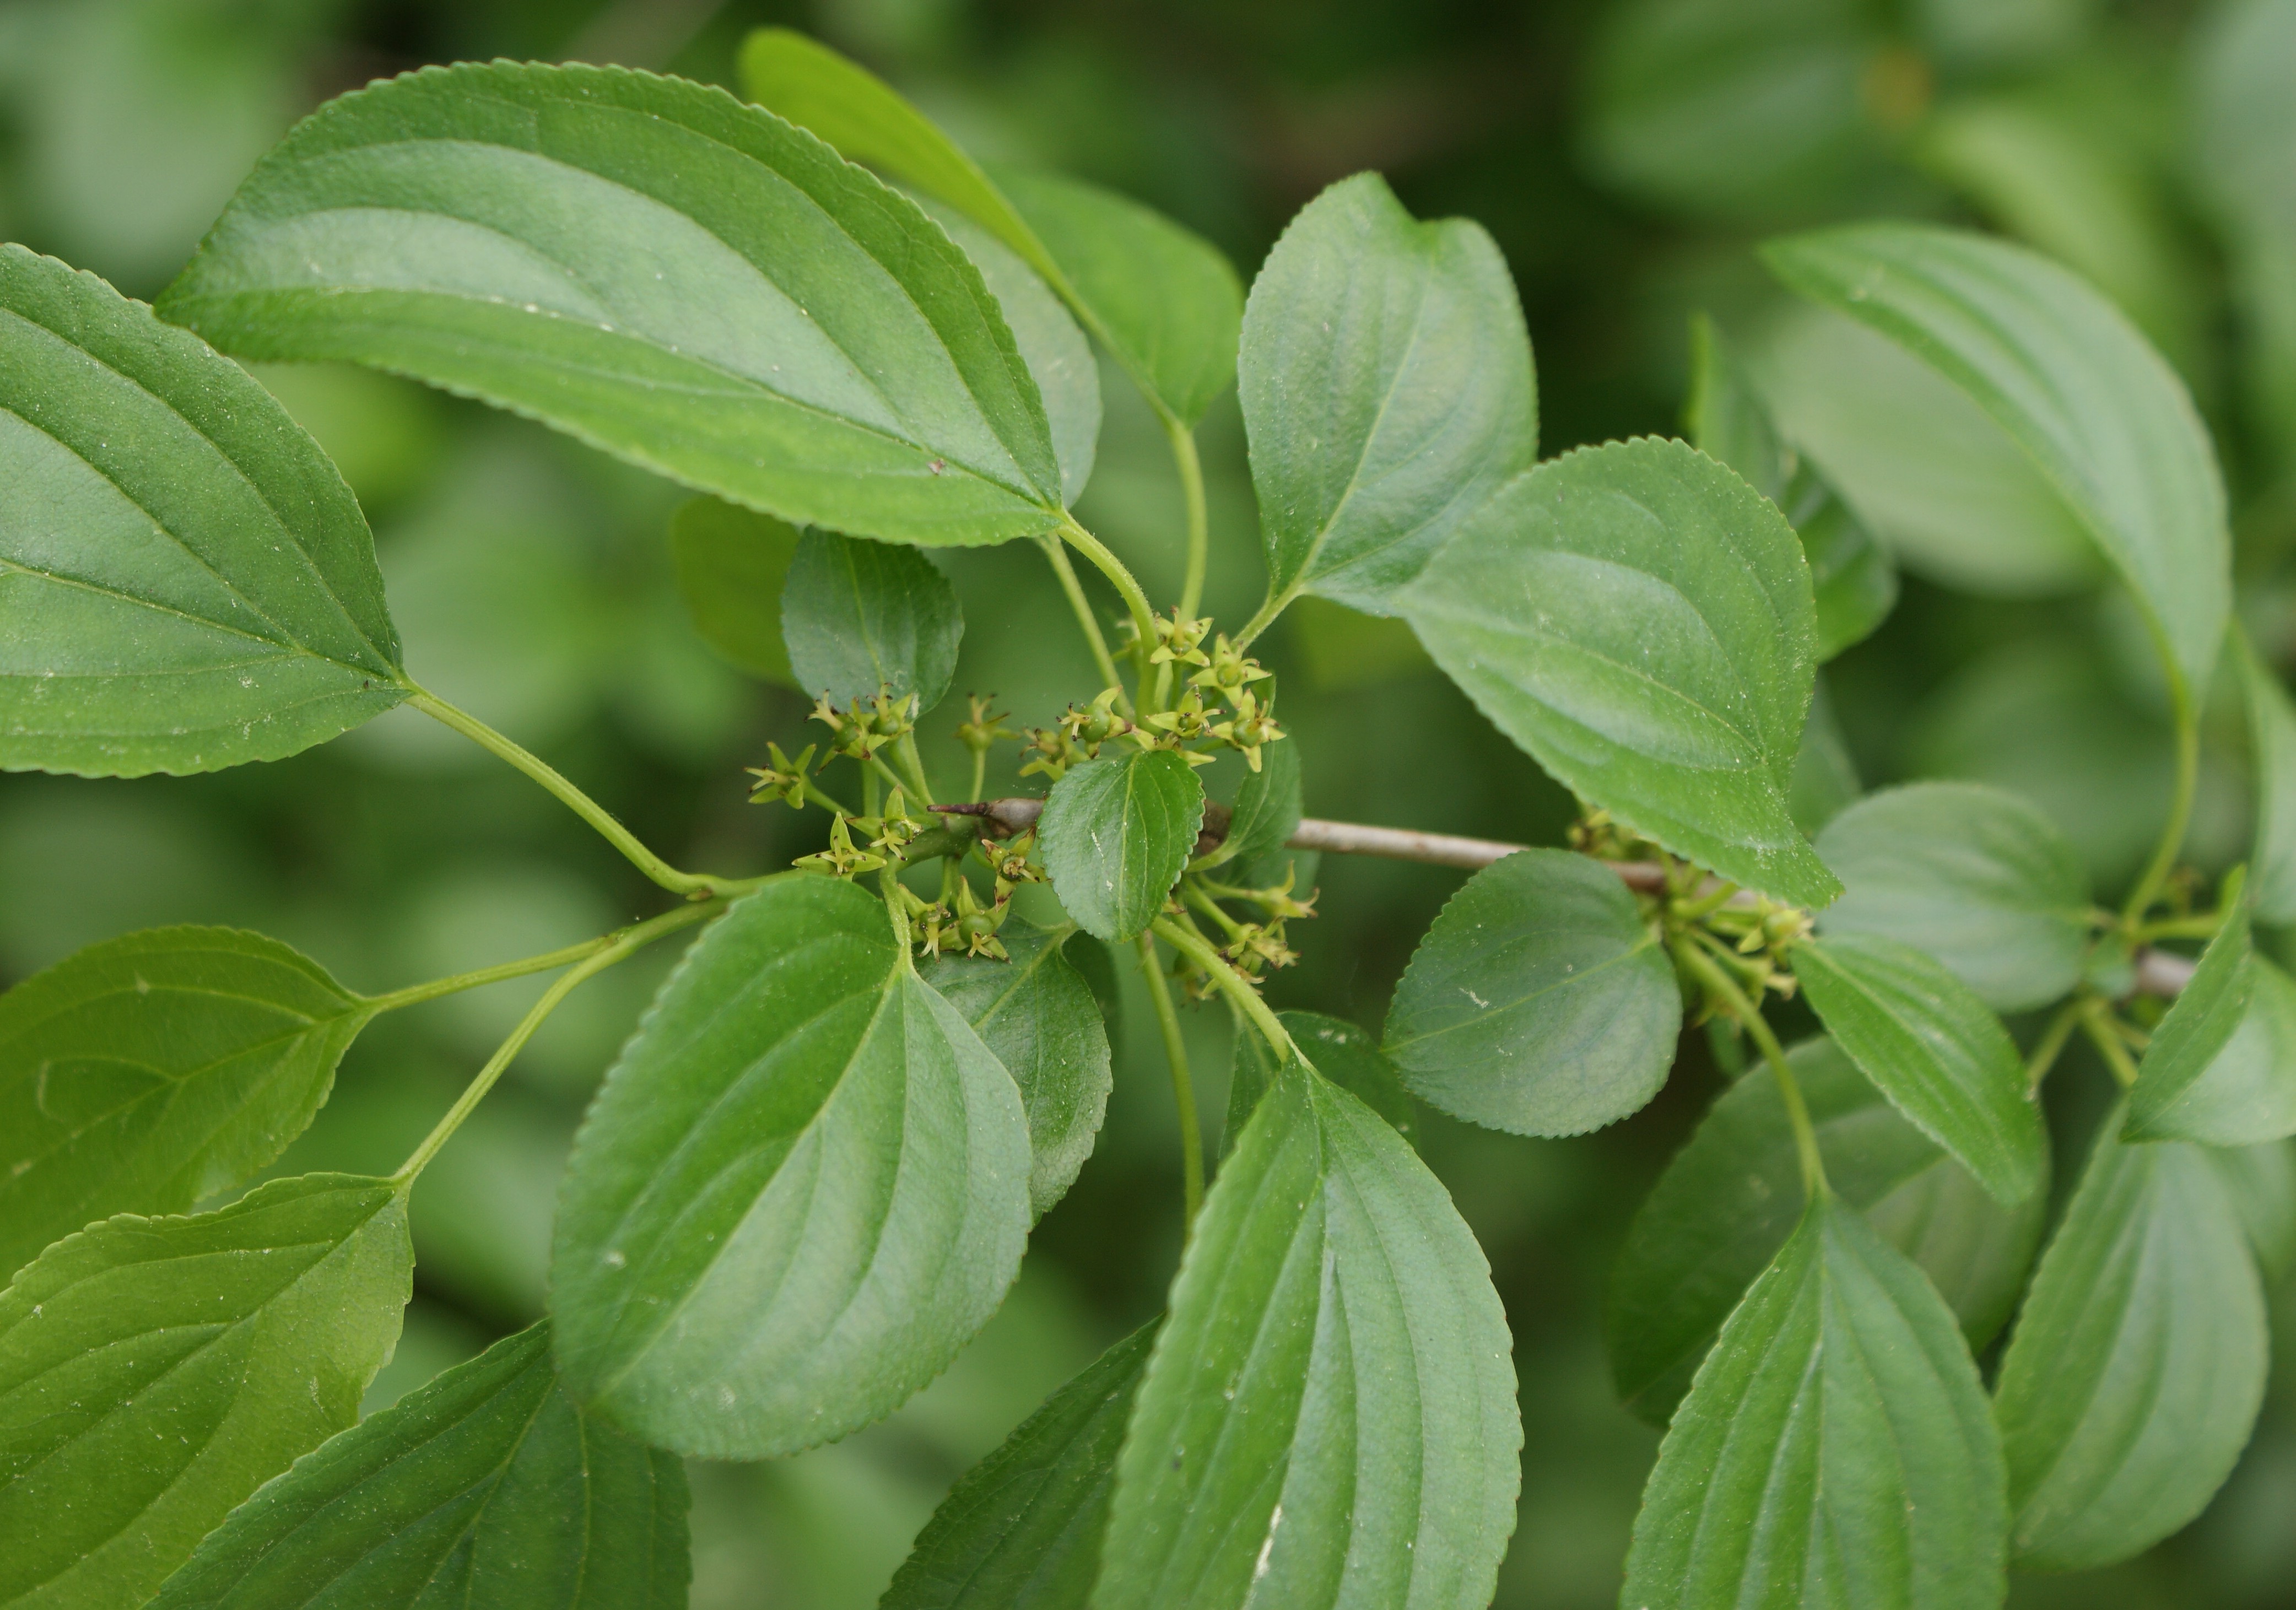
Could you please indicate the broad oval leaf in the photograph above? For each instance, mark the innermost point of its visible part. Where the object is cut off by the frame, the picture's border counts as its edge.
(1037, 1014)
(862, 618)
(681, 280)
(1973, 875)
(147, 1073)
(2272, 739)
(1328, 1415)
(1730, 1199)
(489, 1486)
(1639, 619)
(1021, 1529)
(154, 1372)
(1117, 833)
(1345, 1055)
(802, 1188)
(1940, 1056)
(1539, 1002)
(1387, 386)
(1834, 1448)
(2063, 371)
(732, 564)
(2221, 1068)
(2138, 1360)
(185, 581)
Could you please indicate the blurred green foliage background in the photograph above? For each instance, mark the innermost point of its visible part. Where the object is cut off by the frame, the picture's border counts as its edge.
(1627, 154)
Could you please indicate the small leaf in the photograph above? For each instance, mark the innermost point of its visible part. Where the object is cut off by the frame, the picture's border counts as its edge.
(1540, 1002)
(1117, 833)
(678, 279)
(732, 565)
(1937, 1053)
(2221, 1068)
(803, 1187)
(1344, 1054)
(1328, 1416)
(1639, 619)
(188, 584)
(1387, 389)
(1267, 811)
(2271, 736)
(154, 1372)
(489, 1486)
(1021, 1529)
(150, 1072)
(1834, 1448)
(2063, 371)
(862, 618)
(1730, 1198)
(1974, 876)
(2138, 1361)
(1036, 1014)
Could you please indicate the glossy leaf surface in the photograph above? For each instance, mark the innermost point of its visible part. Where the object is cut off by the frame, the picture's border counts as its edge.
(802, 1188)
(147, 1073)
(1116, 831)
(186, 582)
(1834, 1450)
(1387, 388)
(489, 1486)
(2138, 1360)
(2221, 1068)
(1347, 1056)
(1974, 876)
(154, 1372)
(1640, 621)
(1021, 1529)
(732, 565)
(689, 282)
(1539, 1002)
(2063, 371)
(862, 618)
(1730, 1199)
(1037, 1014)
(1329, 1416)
(1939, 1056)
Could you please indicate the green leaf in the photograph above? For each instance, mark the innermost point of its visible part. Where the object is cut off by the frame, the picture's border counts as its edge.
(1387, 388)
(1834, 1450)
(154, 1372)
(1266, 809)
(489, 1486)
(732, 565)
(1116, 831)
(1935, 1051)
(1854, 582)
(688, 283)
(1021, 1529)
(1639, 619)
(862, 618)
(1539, 1002)
(1036, 1014)
(802, 1188)
(2221, 1068)
(1329, 1416)
(1825, 781)
(2138, 1360)
(1732, 1196)
(150, 1072)
(2272, 737)
(2261, 1181)
(1970, 875)
(2063, 371)
(187, 583)
(1342, 1053)
(1163, 302)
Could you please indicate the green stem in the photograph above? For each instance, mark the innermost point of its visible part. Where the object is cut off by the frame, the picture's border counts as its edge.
(1143, 617)
(1204, 903)
(1276, 605)
(869, 799)
(899, 784)
(1192, 491)
(1183, 1089)
(1232, 984)
(2108, 1044)
(692, 885)
(914, 764)
(1059, 555)
(2052, 1043)
(414, 995)
(2200, 927)
(980, 775)
(814, 794)
(2180, 807)
(618, 946)
(1750, 1018)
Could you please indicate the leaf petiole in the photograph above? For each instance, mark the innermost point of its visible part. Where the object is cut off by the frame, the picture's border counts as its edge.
(2180, 808)
(2052, 1043)
(1058, 555)
(1237, 988)
(2096, 1023)
(1143, 617)
(1733, 1000)
(1183, 1089)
